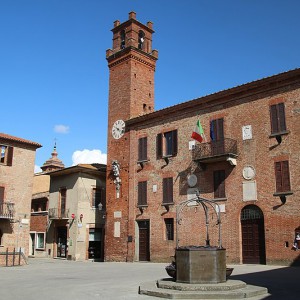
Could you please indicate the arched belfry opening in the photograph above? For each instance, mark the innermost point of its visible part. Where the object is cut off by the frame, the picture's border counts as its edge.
(122, 36)
(141, 40)
(253, 235)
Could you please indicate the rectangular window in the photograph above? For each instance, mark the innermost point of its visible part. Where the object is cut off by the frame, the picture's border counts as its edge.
(219, 184)
(166, 144)
(6, 155)
(142, 193)
(169, 225)
(40, 240)
(277, 115)
(282, 176)
(1, 194)
(63, 200)
(142, 155)
(39, 205)
(97, 197)
(168, 190)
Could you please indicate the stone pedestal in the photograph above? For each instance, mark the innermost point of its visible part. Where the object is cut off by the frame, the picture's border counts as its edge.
(200, 265)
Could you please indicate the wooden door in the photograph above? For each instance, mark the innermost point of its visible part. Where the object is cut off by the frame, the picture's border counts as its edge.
(253, 238)
(144, 251)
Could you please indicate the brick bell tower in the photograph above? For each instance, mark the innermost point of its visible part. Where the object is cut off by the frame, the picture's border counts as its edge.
(131, 63)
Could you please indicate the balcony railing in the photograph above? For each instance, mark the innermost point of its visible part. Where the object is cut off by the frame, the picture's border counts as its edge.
(57, 213)
(215, 151)
(7, 210)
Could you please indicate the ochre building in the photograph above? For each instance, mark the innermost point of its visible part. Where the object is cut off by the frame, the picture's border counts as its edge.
(248, 162)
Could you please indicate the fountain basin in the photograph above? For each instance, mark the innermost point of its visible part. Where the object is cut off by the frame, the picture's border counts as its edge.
(200, 264)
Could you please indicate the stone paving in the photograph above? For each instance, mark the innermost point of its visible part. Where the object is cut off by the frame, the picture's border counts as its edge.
(49, 279)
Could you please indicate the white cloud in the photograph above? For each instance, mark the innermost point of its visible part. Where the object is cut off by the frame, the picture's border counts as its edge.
(61, 129)
(89, 157)
(37, 169)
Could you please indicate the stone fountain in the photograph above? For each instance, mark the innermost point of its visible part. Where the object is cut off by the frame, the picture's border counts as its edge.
(199, 272)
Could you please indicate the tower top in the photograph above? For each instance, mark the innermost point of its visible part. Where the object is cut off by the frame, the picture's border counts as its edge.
(132, 34)
(53, 163)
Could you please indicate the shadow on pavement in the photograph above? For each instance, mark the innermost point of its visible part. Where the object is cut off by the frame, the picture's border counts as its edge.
(281, 283)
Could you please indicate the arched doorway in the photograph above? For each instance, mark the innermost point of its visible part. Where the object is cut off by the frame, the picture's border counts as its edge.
(253, 235)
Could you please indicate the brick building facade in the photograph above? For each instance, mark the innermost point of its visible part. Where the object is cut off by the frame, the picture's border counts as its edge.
(16, 180)
(248, 162)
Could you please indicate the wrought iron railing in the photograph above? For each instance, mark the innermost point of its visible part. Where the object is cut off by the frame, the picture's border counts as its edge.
(7, 210)
(58, 213)
(215, 148)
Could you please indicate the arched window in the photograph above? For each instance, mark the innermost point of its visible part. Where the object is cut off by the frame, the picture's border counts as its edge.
(141, 39)
(251, 212)
(122, 34)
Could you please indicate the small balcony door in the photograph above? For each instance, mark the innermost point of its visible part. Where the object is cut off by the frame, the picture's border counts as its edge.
(217, 136)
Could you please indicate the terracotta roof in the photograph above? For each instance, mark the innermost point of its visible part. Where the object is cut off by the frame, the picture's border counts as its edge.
(86, 168)
(19, 140)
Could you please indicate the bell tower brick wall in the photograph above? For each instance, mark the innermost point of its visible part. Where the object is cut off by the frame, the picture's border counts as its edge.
(131, 63)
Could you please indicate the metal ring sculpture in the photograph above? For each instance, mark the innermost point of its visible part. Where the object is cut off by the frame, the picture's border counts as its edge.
(205, 203)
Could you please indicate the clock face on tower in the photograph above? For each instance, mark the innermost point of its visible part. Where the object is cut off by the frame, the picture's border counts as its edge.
(118, 129)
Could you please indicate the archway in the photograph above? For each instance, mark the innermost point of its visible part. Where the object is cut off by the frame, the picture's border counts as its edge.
(253, 235)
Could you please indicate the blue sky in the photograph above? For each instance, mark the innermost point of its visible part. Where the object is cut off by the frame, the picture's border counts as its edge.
(54, 75)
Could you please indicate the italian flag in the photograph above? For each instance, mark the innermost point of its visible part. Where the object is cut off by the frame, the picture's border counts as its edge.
(198, 133)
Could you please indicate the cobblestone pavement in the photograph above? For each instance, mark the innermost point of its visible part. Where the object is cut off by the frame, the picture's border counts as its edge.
(49, 279)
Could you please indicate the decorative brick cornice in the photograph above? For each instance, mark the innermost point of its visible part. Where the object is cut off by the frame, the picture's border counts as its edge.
(245, 92)
(119, 57)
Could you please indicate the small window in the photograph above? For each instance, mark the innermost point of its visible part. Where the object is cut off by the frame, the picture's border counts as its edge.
(166, 144)
(39, 205)
(142, 193)
(97, 197)
(6, 155)
(142, 155)
(277, 115)
(168, 190)
(40, 240)
(169, 226)
(282, 176)
(219, 184)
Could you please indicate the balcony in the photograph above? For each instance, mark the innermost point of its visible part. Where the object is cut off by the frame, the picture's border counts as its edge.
(57, 213)
(7, 210)
(215, 151)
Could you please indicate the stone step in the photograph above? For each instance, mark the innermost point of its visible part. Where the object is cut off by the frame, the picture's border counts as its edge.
(249, 291)
(224, 286)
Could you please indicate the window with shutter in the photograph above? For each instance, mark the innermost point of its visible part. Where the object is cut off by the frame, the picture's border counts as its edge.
(167, 144)
(277, 116)
(1, 194)
(63, 202)
(219, 184)
(97, 197)
(168, 190)
(169, 225)
(282, 176)
(142, 155)
(142, 193)
(6, 155)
